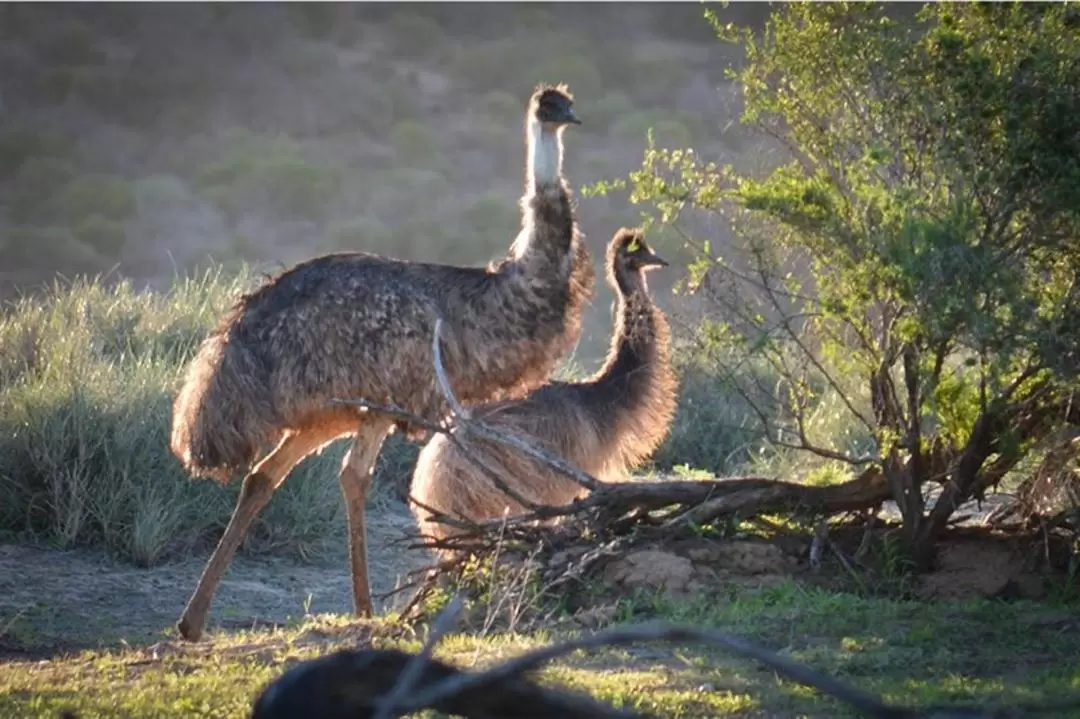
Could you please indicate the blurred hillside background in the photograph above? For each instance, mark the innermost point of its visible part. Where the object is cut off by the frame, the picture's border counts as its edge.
(144, 141)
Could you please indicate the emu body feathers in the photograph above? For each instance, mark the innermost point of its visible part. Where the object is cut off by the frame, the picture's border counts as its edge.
(604, 425)
(356, 325)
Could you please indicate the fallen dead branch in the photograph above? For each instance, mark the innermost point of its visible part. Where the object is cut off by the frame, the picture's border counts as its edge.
(609, 512)
(368, 683)
(699, 501)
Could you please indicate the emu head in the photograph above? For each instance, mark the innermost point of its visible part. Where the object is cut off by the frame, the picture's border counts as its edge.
(629, 255)
(552, 106)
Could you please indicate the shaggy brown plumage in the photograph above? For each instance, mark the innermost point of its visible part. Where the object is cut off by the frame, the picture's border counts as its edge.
(356, 325)
(605, 425)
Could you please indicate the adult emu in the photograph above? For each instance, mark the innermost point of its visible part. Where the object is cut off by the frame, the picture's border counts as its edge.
(604, 425)
(356, 325)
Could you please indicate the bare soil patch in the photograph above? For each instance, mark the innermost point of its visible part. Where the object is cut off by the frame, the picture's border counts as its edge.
(53, 600)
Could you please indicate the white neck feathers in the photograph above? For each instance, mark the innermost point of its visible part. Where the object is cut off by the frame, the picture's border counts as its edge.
(545, 155)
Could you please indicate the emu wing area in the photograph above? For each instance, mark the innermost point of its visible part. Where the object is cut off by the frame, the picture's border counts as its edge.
(348, 326)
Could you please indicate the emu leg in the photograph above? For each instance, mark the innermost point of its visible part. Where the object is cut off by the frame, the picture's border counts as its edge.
(258, 487)
(356, 473)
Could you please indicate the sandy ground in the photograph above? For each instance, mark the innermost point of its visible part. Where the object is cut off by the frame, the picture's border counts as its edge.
(52, 599)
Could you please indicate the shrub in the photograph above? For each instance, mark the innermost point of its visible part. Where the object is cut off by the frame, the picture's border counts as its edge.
(671, 133)
(713, 427)
(419, 34)
(315, 19)
(655, 79)
(47, 248)
(502, 106)
(952, 391)
(34, 184)
(535, 19)
(611, 107)
(158, 192)
(268, 173)
(577, 71)
(493, 217)
(18, 146)
(406, 192)
(106, 196)
(497, 63)
(104, 235)
(414, 145)
(667, 131)
(69, 42)
(402, 100)
(362, 233)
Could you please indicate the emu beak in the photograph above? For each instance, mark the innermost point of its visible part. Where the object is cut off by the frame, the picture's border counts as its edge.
(570, 118)
(653, 260)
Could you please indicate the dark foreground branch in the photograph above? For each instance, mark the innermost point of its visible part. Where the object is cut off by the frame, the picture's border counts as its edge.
(358, 683)
(350, 684)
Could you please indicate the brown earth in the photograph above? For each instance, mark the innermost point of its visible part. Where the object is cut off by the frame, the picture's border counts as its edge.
(53, 600)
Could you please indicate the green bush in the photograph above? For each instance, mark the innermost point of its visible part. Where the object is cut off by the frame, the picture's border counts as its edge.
(309, 61)
(297, 188)
(499, 63)
(501, 106)
(87, 378)
(611, 107)
(710, 430)
(315, 19)
(671, 133)
(47, 248)
(578, 71)
(406, 192)
(18, 146)
(420, 34)
(270, 174)
(668, 131)
(69, 42)
(535, 19)
(362, 233)
(161, 191)
(494, 217)
(37, 179)
(107, 196)
(654, 79)
(414, 145)
(402, 99)
(103, 234)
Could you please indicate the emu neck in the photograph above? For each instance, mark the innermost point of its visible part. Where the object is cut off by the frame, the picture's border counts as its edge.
(631, 400)
(547, 231)
(634, 345)
(545, 156)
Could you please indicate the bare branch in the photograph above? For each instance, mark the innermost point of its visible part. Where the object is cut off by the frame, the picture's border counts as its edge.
(444, 622)
(440, 372)
(651, 631)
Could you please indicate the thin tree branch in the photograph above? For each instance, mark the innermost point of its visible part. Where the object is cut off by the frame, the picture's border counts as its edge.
(386, 706)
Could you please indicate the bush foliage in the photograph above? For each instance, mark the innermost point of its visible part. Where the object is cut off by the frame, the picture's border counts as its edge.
(914, 260)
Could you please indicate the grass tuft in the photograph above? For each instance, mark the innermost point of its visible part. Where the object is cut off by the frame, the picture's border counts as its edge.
(87, 378)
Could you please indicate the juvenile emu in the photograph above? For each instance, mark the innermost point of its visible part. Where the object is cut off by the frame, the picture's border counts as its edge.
(604, 425)
(356, 325)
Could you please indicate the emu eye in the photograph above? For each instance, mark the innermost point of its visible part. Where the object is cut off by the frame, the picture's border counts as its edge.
(634, 245)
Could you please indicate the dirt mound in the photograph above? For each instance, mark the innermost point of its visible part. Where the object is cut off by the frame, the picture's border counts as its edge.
(981, 567)
(692, 567)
